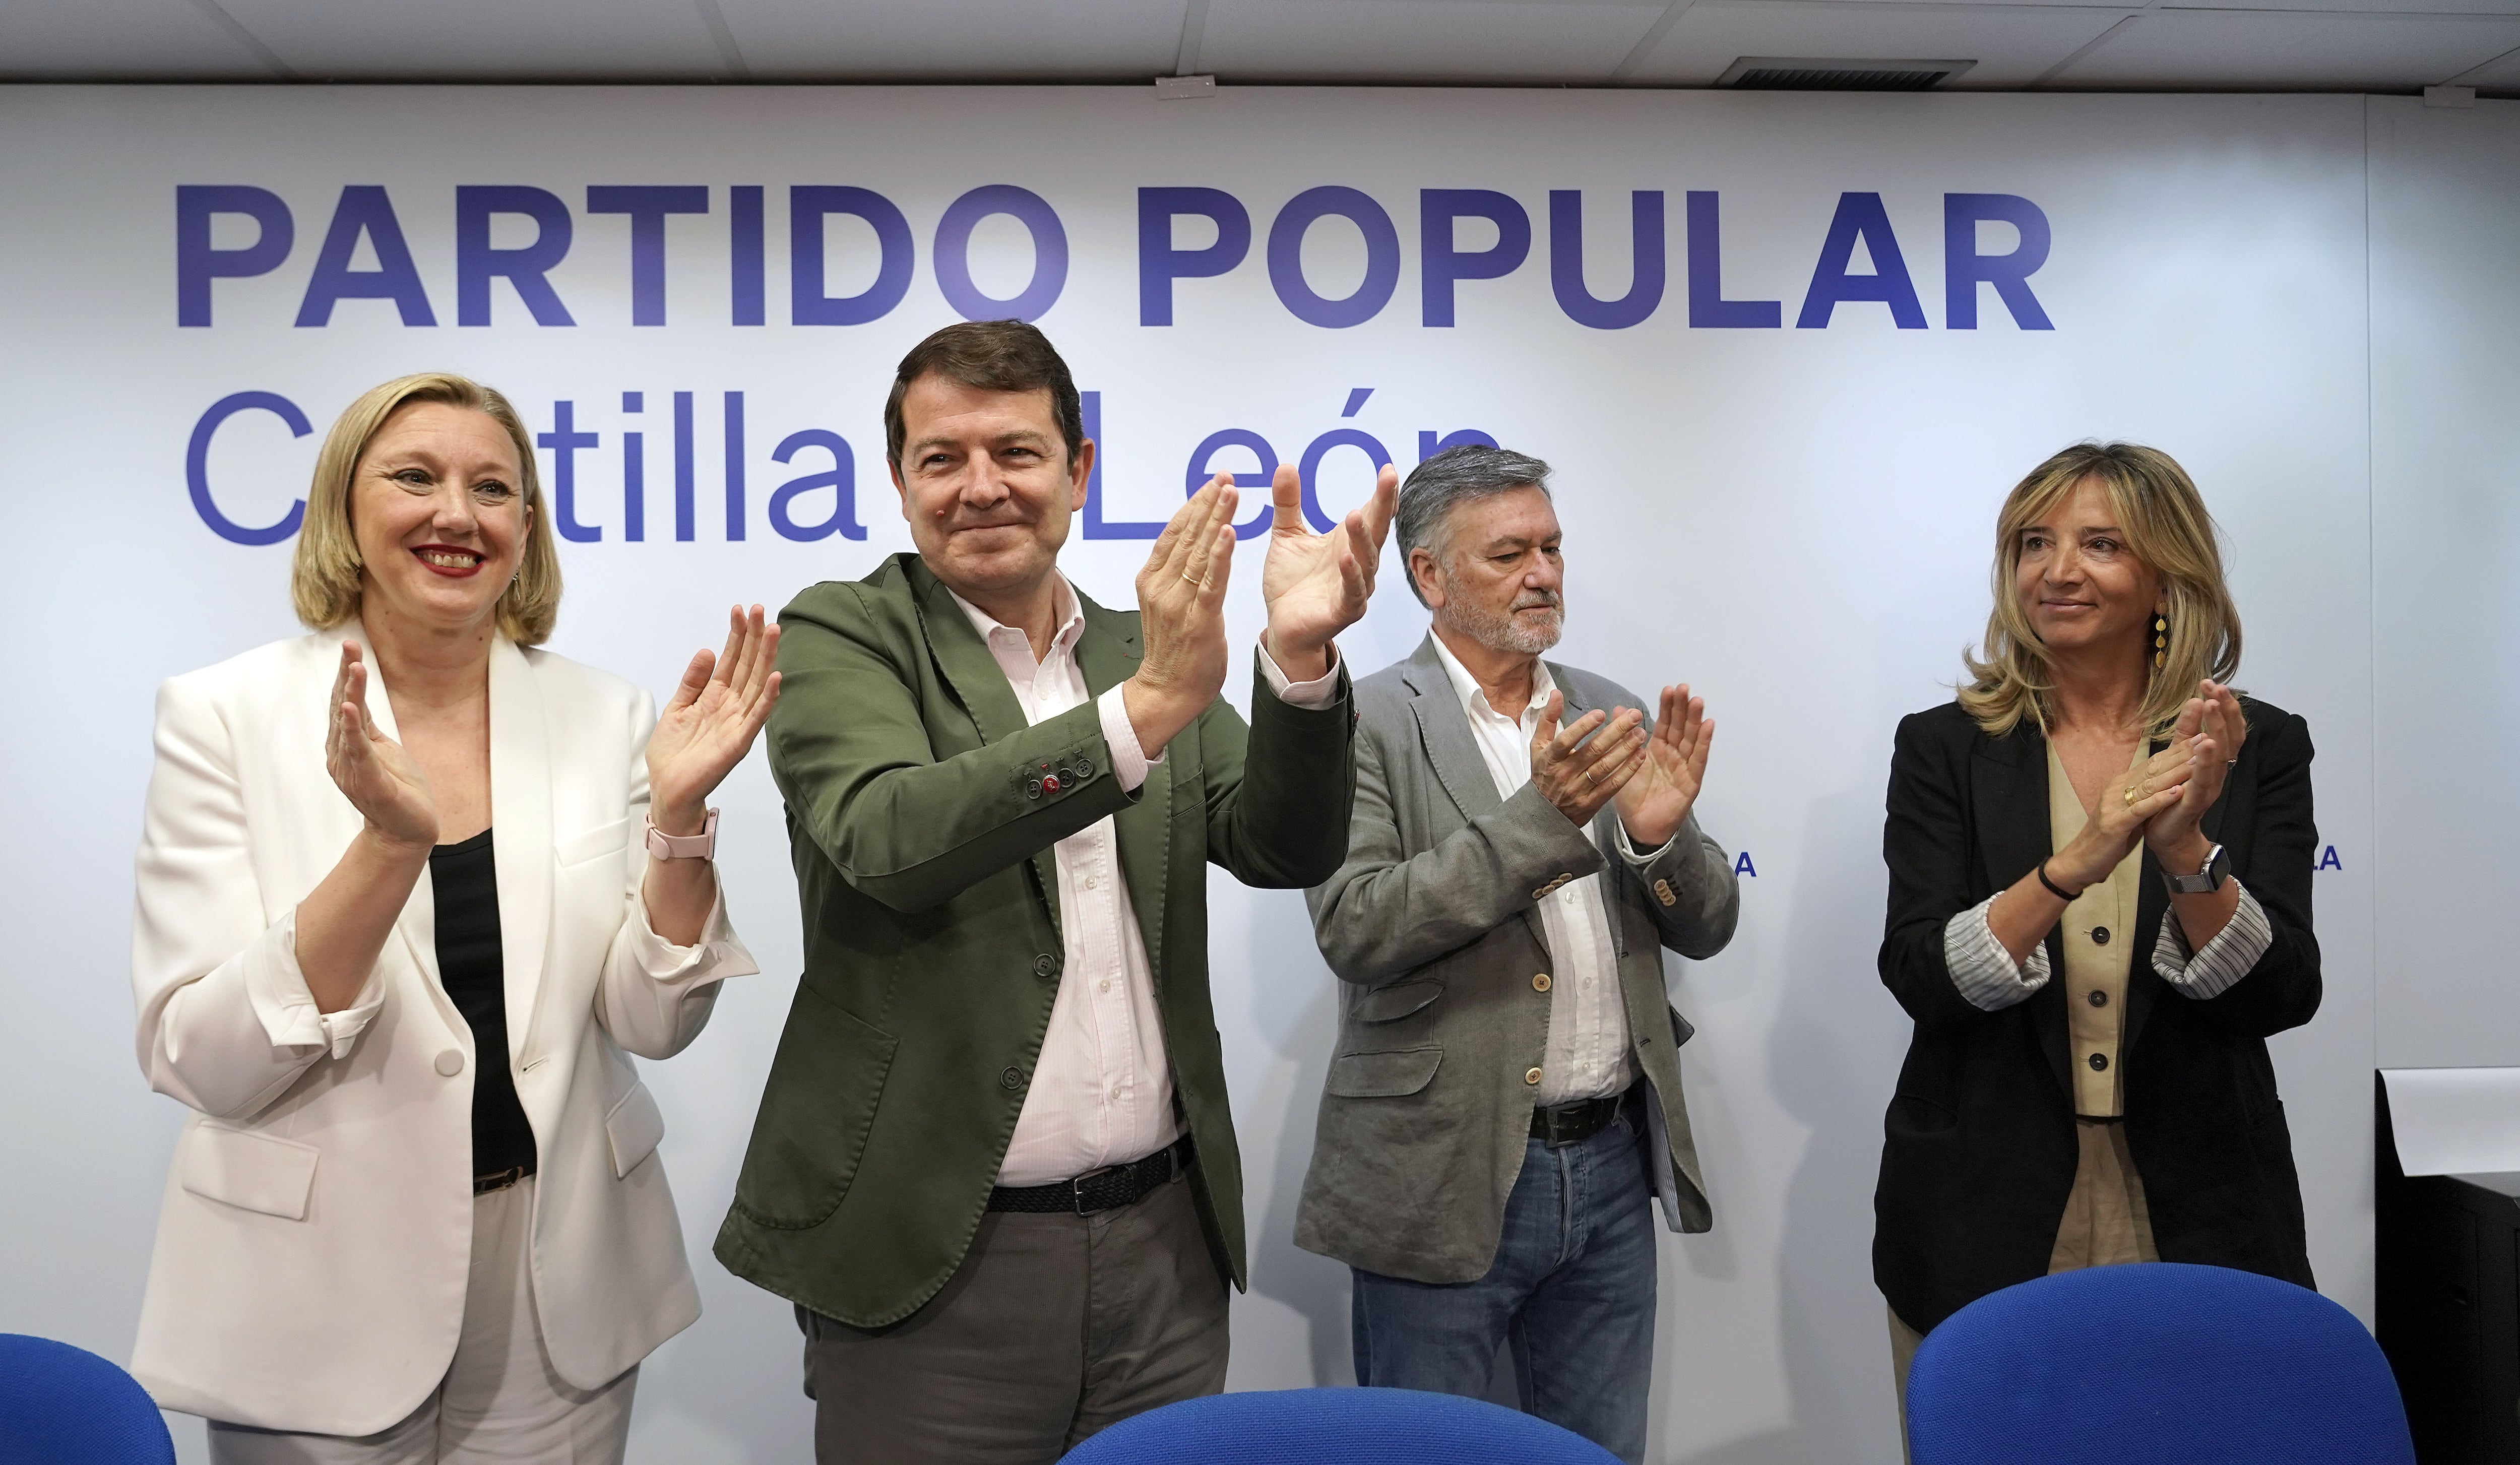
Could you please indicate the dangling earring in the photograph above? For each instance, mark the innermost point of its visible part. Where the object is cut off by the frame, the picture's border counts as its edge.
(2160, 640)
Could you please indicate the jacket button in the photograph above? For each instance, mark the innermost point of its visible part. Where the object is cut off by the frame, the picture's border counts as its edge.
(450, 1063)
(1033, 789)
(2099, 1062)
(2099, 936)
(1085, 767)
(1041, 965)
(2097, 998)
(1049, 783)
(1531, 1076)
(1540, 982)
(1012, 1077)
(1662, 893)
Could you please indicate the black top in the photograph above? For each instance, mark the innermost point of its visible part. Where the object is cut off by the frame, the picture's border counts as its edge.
(466, 879)
(1979, 1150)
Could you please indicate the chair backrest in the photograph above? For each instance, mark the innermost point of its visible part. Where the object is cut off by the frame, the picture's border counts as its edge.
(59, 1402)
(1350, 1426)
(2157, 1363)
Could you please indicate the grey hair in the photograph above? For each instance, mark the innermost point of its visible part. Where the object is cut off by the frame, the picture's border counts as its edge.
(1446, 481)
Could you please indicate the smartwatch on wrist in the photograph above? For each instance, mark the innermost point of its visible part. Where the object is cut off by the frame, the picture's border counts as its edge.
(701, 846)
(2207, 880)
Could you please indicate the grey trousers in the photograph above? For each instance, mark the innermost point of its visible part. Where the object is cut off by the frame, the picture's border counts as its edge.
(1054, 1327)
(501, 1401)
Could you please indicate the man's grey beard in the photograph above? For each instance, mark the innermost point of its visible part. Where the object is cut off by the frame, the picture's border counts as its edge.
(1510, 632)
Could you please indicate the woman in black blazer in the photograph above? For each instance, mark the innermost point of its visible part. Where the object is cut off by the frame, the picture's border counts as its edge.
(2075, 1094)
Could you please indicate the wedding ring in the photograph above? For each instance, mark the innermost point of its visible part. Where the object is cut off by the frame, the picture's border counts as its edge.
(2130, 795)
(1592, 775)
(1194, 579)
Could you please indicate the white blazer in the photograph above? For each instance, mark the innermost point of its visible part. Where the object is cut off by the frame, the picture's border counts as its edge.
(316, 1233)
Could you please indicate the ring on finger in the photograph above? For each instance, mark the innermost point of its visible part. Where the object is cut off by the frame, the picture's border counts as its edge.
(1194, 579)
(2130, 794)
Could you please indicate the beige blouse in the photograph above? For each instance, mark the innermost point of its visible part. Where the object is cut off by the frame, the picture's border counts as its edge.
(2099, 929)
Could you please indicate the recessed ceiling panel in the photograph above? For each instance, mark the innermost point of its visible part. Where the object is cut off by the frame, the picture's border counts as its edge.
(981, 39)
(141, 39)
(2262, 50)
(490, 40)
(1420, 40)
(2012, 45)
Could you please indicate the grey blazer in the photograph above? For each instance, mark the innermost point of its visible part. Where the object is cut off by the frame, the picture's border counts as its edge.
(1433, 927)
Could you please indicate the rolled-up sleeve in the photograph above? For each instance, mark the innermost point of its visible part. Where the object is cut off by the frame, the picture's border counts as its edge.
(2231, 955)
(1982, 968)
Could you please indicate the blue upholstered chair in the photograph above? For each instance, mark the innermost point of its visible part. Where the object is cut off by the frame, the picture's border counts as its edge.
(62, 1403)
(1348, 1426)
(2161, 1363)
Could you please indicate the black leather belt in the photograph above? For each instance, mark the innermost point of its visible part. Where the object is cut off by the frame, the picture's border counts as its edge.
(1104, 1189)
(501, 1180)
(1576, 1121)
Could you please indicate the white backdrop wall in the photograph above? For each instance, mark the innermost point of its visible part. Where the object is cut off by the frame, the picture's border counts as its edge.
(1793, 512)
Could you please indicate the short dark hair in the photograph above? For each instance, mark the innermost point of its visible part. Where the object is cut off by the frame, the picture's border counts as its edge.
(1002, 356)
(1450, 479)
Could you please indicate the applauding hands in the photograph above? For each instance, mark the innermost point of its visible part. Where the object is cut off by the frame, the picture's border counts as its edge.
(708, 727)
(1654, 777)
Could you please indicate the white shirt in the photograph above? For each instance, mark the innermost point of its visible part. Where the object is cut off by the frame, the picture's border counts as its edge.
(1588, 1054)
(1101, 1091)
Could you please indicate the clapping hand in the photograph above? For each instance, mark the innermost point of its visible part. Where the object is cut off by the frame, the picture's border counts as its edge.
(1580, 780)
(373, 770)
(2211, 729)
(1317, 585)
(1655, 801)
(708, 727)
(1181, 617)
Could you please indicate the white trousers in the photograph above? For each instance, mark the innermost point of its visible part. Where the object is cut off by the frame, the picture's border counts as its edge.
(499, 1404)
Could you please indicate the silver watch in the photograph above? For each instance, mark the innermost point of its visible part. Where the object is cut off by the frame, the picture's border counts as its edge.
(2218, 868)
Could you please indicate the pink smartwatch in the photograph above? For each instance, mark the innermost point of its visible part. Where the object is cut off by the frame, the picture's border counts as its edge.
(701, 846)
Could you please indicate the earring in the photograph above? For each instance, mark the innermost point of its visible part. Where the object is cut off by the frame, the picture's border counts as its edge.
(2160, 640)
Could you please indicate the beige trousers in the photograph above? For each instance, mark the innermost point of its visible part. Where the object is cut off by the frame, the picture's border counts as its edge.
(499, 1404)
(2106, 1223)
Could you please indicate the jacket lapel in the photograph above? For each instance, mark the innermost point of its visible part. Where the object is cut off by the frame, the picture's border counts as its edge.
(520, 825)
(2152, 904)
(1453, 749)
(2009, 796)
(963, 659)
(1109, 651)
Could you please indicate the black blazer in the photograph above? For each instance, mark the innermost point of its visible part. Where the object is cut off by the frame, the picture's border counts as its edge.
(1978, 1151)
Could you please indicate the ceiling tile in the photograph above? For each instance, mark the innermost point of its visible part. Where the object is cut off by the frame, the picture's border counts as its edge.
(1073, 39)
(1420, 40)
(2012, 45)
(143, 39)
(493, 40)
(2267, 50)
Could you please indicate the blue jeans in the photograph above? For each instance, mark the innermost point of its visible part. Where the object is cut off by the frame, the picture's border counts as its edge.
(1572, 1290)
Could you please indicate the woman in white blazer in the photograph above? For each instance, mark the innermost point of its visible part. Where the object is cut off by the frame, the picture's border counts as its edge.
(408, 890)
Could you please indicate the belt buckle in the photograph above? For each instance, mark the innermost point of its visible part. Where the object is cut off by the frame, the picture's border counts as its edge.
(1550, 1117)
(1076, 1189)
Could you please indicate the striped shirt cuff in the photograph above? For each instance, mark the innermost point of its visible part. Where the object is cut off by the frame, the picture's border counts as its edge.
(2231, 954)
(1981, 968)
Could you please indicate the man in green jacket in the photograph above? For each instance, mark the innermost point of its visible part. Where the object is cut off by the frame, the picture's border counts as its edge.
(994, 1167)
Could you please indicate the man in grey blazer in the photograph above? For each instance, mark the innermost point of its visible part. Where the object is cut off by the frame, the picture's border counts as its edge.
(1506, 1094)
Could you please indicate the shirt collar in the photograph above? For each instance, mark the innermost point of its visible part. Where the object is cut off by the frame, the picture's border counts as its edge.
(1009, 643)
(1474, 698)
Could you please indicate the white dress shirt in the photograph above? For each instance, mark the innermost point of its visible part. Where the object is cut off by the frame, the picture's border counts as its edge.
(1587, 1056)
(1101, 1091)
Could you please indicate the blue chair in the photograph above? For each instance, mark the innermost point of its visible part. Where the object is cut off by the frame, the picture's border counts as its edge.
(1366, 1426)
(63, 1403)
(2160, 1363)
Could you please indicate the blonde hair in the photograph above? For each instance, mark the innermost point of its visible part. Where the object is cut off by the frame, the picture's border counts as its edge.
(2166, 526)
(324, 579)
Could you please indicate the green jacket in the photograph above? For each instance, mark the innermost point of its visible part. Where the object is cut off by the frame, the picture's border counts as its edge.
(922, 829)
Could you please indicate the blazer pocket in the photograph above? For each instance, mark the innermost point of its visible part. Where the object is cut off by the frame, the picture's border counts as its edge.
(1681, 1031)
(1393, 1075)
(816, 1110)
(594, 844)
(1395, 1001)
(249, 1171)
(635, 1128)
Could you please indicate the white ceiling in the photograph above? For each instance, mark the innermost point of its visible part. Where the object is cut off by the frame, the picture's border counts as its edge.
(2252, 45)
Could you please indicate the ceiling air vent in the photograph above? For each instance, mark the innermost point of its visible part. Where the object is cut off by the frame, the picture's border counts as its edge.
(1813, 74)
